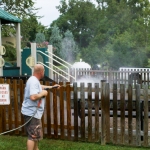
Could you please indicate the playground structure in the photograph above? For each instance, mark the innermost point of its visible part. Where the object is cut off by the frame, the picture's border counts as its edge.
(44, 56)
(7, 18)
(27, 58)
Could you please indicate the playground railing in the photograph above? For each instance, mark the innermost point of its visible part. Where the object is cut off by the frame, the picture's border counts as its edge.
(65, 64)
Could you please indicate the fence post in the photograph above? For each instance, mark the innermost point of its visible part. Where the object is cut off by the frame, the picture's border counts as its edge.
(62, 89)
(68, 101)
(130, 136)
(138, 116)
(89, 112)
(75, 112)
(96, 111)
(115, 113)
(107, 108)
(103, 131)
(55, 112)
(122, 108)
(145, 115)
(82, 113)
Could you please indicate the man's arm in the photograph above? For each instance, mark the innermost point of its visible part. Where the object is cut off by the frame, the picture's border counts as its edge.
(50, 87)
(42, 94)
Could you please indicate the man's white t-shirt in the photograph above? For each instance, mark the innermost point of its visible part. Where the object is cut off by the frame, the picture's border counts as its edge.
(29, 106)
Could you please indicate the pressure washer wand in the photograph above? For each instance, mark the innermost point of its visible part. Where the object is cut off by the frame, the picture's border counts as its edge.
(53, 87)
(56, 86)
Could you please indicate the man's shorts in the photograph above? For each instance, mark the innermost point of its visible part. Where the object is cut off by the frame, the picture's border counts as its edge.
(33, 128)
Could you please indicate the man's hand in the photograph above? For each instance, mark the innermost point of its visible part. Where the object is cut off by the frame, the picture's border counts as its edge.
(44, 93)
(56, 86)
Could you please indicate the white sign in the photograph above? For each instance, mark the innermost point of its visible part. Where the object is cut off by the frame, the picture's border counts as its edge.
(4, 94)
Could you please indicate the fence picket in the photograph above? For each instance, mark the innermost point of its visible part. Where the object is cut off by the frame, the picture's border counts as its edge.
(11, 108)
(115, 113)
(68, 110)
(55, 113)
(82, 113)
(103, 131)
(48, 112)
(122, 108)
(96, 112)
(15, 96)
(138, 116)
(130, 139)
(145, 115)
(42, 119)
(107, 115)
(75, 112)
(62, 109)
(89, 112)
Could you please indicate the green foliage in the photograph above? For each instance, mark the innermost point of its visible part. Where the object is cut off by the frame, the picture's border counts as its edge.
(69, 48)
(92, 54)
(19, 8)
(55, 40)
(25, 10)
(10, 54)
(78, 16)
(113, 32)
(40, 37)
(29, 28)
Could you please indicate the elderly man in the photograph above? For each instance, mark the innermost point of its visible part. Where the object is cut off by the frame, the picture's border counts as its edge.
(33, 104)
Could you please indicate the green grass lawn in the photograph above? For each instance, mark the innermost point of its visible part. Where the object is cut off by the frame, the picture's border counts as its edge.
(19, 143)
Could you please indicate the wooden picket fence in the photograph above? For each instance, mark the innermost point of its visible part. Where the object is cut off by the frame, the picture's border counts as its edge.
(102, 114)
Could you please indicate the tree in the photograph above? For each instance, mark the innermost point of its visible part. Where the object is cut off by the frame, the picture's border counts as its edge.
(26, 11)
(20, 8)
(78, 16)
(10, 54)
(92, 54)
(122, 36)
(29, 28)
(69, 49)
(40, 39)
(55, 40)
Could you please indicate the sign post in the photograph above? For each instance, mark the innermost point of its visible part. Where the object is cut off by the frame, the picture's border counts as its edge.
(4, 94)
(4, 100)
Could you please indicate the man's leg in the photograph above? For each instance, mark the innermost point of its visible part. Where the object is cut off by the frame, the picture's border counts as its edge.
(36, 145)
(30, 145)
(34, 132)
